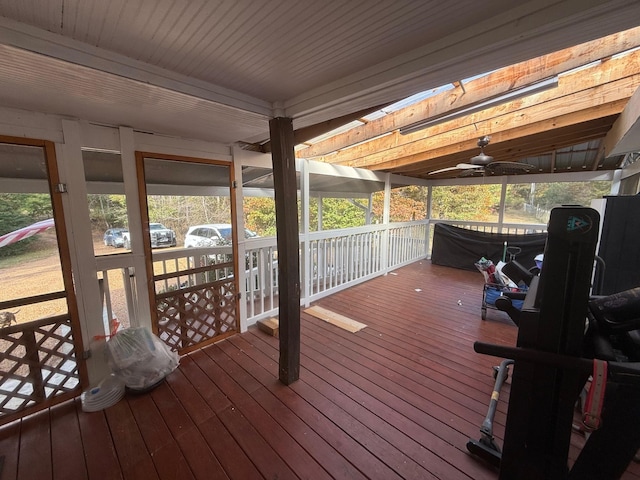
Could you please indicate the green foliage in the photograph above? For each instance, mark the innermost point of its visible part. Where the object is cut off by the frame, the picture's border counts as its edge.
(406, 204)
(466, 202)
(518, 195)
(260, 215)
(337, 213)
(107, 211)
(21, 210)
(544, 196)
(549, 195)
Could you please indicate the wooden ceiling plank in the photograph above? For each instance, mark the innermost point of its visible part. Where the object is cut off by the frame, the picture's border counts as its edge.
(513, 149)
(541, 144)
(496, 83)
(589, 83)
(535, 142)
(490, 122)
(464, 139)
(415, 170)
(464, 150)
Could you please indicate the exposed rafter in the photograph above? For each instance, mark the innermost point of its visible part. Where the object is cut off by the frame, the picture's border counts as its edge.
(303, 134)
(483, 88)
(582, 97)
(512, 146)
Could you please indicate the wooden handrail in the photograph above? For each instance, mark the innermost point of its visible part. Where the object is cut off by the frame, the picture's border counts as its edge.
(19, 302)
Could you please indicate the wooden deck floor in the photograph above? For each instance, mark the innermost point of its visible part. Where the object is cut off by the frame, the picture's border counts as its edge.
(398, 399)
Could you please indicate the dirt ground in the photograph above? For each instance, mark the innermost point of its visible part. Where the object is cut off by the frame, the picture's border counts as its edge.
(40, 273)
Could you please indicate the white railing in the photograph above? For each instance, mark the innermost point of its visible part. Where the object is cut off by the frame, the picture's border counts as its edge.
(334, 260)
(261, 278)
(341, 257)
(488, 227)
(407, 243)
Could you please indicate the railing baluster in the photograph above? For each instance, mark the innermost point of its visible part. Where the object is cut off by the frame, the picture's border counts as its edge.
(28, 339)
(337, 258)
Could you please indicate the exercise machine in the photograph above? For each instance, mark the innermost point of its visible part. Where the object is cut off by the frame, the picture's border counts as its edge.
(553, 359)
(486, 447)
(552, 326)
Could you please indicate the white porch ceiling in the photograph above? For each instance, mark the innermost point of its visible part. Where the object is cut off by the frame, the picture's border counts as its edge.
(219, 70)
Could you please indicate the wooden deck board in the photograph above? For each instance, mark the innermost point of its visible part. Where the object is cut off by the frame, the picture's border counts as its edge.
(35, 444)
(99, 448)
(261, 452)
(134, 457)
(300, 462)
(232, 457)
(9, 450)
(417, 421)
(66, 441)
(286, 408)
(398, 399)
(344, 444)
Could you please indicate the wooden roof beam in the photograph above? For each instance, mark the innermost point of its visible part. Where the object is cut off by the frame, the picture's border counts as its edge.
(515, 143)
(522, 123)
(492, 85)
(624, 136)
(576, 91)
(465, 147)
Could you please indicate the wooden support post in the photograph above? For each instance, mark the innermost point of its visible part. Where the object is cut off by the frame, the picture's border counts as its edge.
(35, 366)
(284, 177)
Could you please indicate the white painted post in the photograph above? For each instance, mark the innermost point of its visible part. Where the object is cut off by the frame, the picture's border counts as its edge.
(503, 197)
(83, 262)
(242, 246)
(385, 221)
(615, 182)
(306, 273)
(142, 317)
(429, 221)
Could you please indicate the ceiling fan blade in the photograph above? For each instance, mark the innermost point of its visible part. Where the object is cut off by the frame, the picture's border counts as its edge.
(442, 170)
(467, 166)
(477, 172)
(508, 168)
(460, 166)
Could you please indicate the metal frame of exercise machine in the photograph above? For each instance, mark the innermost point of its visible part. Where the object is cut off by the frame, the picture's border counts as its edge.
(551, 323)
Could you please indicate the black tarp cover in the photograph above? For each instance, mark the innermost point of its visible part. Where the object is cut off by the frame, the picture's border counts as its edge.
(460, 247)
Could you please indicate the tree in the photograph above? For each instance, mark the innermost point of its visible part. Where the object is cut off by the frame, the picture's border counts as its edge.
(260, 215)
(107, 211)
(466, 202)
(18, 211)
(549, 195)
(336, 213)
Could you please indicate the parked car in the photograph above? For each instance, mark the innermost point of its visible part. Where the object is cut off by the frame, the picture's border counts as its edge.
(211, 235)
(113, 237)
(161, 236)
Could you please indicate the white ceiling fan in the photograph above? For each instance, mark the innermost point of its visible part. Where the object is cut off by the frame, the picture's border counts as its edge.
(483, 164)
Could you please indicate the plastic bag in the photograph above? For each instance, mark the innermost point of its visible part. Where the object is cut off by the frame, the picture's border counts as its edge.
(140, 358)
